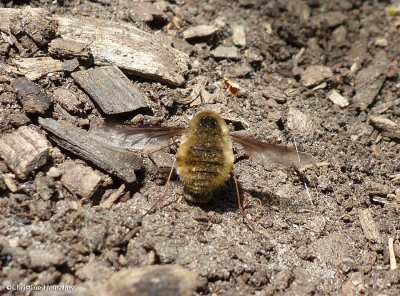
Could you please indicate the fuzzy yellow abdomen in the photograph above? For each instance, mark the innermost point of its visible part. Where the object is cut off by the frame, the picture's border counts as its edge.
(204, 164)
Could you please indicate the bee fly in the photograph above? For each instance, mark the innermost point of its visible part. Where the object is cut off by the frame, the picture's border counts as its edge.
(204, 160)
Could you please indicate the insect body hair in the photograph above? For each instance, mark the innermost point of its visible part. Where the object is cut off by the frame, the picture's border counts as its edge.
(205, 156)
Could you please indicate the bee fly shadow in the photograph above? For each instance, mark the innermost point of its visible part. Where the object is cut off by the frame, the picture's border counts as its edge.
(224, 200)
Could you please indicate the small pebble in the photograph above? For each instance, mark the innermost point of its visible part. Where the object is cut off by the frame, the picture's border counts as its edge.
(81, 180)
(238, 35)
(53, 172)
(201, 31)
(226, 52)
(315, 74)
(338, 99)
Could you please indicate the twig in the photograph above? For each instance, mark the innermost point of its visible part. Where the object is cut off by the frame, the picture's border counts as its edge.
(392, 257)
(112, 198)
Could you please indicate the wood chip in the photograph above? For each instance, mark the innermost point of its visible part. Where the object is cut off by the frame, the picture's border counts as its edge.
(33, 28)
(81, 180)
(382, 108)
(338, 99)
(111, 89)
(34, 23)
(369, 227)
(381, 41)
(94, 149)
(369, 81)
(36, 68)
(231, 86)
(33, 98)
(24, 151)
(387, 127)
(112, 198)
(69, 49)
(129, 48)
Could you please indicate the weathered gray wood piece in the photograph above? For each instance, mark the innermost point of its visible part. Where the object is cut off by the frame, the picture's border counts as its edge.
(110, 89)
(33, 98)
(94, 149)
(127, 47)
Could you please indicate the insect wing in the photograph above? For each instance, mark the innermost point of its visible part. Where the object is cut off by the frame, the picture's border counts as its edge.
(143, 139)
(271, 154)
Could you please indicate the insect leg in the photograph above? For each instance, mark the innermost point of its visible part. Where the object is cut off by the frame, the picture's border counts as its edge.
(302, 176)
(239, 200)
(163, 147)
(161, 199)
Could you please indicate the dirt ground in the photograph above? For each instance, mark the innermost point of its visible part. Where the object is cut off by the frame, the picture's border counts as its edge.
(334, 240)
